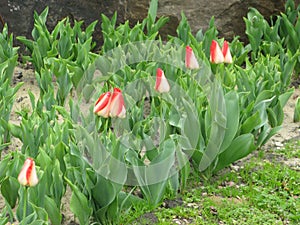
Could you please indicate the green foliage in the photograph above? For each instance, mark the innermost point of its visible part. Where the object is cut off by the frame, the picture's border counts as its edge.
(64, 53)
(79, 204)
(8, 53)
(282, 34)
(297, 111)
(8, 61)
(146, 30)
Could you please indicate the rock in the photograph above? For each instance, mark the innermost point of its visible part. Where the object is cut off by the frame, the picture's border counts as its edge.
(169, 204)
(228, 14)
(278, 144)
(147, 218)
(19, 13)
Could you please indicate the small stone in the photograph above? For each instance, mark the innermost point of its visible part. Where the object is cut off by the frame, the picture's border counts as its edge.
(278, 144)
(213, 210)
(177, 221)
(235, 167)
(192, 205)
(172, 203)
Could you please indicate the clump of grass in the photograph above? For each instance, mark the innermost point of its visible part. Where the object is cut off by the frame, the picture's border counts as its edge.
(291, 149)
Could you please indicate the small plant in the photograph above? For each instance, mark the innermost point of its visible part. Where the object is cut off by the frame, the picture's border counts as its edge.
(297, 111)
(8, 61)
(65, 53)
(281, 35)
(146, 30)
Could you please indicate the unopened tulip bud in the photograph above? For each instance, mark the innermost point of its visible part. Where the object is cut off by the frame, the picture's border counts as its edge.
(216, 54)
(161, 84)
(226, 53)
(190, 59)
(28, 176)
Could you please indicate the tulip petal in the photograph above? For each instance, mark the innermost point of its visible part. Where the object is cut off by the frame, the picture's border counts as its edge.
(28, 176)
(216, 55)
(161, 84)
(22, 178)
(226, 53)
(32, 178)
(117, 107)
(190, 59)
(102, 106)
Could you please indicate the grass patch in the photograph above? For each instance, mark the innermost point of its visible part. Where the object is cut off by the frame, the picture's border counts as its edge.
(291, 149)
(254, 192)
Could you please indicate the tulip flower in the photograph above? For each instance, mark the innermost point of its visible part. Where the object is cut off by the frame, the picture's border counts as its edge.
(102, 105)
(216, 54)
(28, 176)
(226, 53)
(190, 59)
(117, 106)
(161, 84)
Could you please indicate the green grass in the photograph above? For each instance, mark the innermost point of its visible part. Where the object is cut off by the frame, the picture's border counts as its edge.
(291, 150)
(262, 190)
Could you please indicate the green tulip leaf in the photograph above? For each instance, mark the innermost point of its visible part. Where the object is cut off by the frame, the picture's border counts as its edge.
(232, 113)
(9, 190)
(53, 211)
(79, 204)
(239, 148)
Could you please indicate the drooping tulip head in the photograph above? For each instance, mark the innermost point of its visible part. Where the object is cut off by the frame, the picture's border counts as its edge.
(102, 105)
(161, 83)
(190, 59)
(117, 106)
(28, 176)
(216, 54)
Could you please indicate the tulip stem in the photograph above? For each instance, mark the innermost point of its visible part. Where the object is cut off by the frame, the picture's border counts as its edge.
(106, 125)
(25, 203)
(188, 79)
(191, 83)
(219, 72)
(160, 105)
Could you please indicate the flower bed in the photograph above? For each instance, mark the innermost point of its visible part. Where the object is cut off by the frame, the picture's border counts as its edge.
(126, 125)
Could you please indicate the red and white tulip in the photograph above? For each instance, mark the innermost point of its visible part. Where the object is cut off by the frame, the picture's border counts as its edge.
(161, 84)
(117, 106)
(28, 176)
(102, 106)
(226, 53)
(216, 54)
(190, 59)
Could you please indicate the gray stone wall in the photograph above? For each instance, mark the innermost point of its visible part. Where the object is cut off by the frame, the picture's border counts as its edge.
(228, 13)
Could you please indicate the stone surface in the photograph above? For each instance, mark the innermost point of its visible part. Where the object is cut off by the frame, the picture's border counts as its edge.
(228, 14)
(19, 13)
